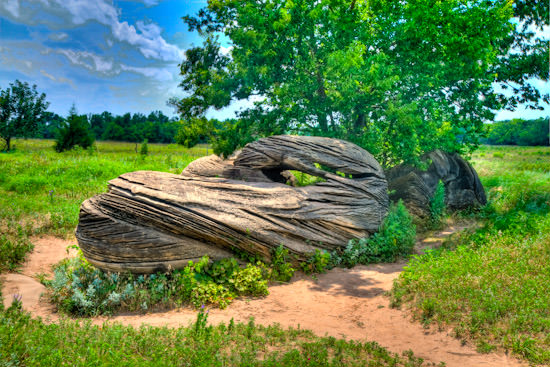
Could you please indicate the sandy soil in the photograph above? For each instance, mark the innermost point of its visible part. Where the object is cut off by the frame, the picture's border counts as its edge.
(346, 303)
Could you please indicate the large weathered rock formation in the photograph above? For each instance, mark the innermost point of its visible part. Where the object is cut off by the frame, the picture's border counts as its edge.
(416, 187)
(151, 221)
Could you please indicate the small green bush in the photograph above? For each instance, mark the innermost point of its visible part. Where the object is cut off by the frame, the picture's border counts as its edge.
(280, 270)
(144, 149)
(13, 251)
(396, 237)
(317, 263)
(437, 206)
(14, 246)
(81, 289)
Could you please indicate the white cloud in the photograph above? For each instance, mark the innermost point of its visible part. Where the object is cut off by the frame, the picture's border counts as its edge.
(68, 81)
(154, 47)
(58, 14)
(58, 80)
(150, 2)
(147, 38)
(11, 6)
(158, 74)
(47, 75)
(149, 30)
(90, 61)
(59, 36)
(108, 67)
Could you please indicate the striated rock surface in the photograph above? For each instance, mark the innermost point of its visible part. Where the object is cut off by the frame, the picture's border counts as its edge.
(151, 221)
(463, 189)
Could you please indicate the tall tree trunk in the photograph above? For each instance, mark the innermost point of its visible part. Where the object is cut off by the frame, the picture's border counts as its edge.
(8, 143)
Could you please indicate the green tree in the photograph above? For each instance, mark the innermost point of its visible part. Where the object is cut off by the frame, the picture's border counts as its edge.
(399, 78)
(194, 131)
(76, 131)
(21, 110)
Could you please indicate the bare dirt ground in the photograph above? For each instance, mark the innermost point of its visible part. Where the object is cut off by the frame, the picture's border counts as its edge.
(346, 303)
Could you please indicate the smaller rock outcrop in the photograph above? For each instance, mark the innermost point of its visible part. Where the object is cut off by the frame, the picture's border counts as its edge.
(416, 187)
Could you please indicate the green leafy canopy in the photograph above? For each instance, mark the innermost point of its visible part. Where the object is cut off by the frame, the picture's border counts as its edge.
(399, 78)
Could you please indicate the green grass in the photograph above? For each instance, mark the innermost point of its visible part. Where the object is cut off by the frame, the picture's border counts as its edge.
(492, 285)
(28, 342)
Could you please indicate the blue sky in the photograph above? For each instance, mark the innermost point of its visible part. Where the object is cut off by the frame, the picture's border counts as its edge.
(104, 55)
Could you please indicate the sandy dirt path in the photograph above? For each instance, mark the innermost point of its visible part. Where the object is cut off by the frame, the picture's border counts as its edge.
(346, 303)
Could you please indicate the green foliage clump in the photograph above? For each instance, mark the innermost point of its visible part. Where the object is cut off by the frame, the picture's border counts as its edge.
(280, 268)
(225, 136)
(14, 247)
(144, 148)
(75, 132)
(437, 206)
(304, 179)
(25, 341)
(195, 131)
(396, 237)
(81, 289)
(492, 284)
(318, 262)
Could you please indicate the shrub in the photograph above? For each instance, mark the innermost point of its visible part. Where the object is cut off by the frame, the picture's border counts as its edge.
(437, 205)
(144, 149)
(81, 289)
(13, 250)
(281, 270)
(14, 246)
(396, 237)
(317, 263)
(75, 132)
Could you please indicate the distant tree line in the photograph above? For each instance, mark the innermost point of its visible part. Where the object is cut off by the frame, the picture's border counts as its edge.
(518, 132)
(155, 127)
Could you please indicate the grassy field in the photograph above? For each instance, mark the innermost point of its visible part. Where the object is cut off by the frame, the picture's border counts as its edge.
(492, 285)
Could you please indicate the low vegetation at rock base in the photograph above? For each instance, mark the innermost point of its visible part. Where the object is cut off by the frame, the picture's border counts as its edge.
(396, 238)
(437, 207)
(81, 289)
(491, 285)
